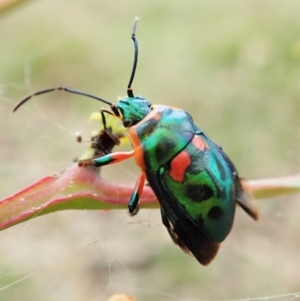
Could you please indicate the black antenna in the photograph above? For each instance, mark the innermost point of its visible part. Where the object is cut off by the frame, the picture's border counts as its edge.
(70, 90)
(62, 88)
(129, 90)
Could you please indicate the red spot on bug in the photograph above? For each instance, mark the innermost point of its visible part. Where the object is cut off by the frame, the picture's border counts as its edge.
(200, 143)
(179, 165)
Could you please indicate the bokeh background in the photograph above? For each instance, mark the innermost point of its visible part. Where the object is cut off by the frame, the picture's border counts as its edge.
(234, 65)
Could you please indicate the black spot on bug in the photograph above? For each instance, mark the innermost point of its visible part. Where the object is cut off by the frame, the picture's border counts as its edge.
(215, 212)
(146, 128)
(163, 147)
(199, 193)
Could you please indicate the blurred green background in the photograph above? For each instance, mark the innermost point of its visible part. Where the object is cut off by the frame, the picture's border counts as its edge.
(234, 65)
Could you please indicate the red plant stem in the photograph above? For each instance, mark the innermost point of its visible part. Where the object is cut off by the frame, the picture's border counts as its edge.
(83, 188)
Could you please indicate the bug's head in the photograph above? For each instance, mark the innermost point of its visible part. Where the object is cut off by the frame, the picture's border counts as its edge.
(133, 109)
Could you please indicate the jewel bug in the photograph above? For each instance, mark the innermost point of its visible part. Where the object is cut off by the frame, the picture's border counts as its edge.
(195, 182)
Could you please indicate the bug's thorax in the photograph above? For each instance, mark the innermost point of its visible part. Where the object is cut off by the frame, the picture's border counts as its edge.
(159, 136)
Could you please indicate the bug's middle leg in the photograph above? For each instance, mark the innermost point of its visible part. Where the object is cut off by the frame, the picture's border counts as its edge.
(135, 197)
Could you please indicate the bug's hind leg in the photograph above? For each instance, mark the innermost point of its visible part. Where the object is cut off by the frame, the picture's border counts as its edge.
(172, 233)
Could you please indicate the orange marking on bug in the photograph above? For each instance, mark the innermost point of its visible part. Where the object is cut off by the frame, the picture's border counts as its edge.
(141, 183)
(179, 165)
(153, 114)
(135, 140)
(137, 146)
(200, 143)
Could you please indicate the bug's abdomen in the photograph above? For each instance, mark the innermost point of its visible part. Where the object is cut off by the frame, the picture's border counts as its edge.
(202, 185)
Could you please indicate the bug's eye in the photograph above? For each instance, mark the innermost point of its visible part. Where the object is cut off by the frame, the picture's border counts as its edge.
(127, 123)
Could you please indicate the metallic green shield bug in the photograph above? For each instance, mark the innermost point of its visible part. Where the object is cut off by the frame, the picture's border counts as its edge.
(196, 184)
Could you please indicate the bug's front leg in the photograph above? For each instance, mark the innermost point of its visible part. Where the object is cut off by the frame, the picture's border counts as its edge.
(113, 158)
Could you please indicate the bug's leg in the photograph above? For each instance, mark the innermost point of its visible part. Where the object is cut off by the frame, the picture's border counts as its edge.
(113, 158)
(102, 111)
(135, 197)
(172, 233)
(167, 224)
(164, 219)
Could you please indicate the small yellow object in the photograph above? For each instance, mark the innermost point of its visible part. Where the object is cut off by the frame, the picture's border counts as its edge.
(111, 122)
(121, 297)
